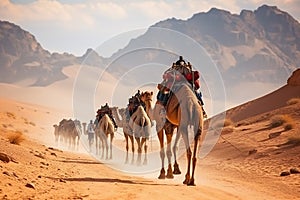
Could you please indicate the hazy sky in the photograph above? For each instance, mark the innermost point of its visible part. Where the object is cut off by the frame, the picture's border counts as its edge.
(75, 25)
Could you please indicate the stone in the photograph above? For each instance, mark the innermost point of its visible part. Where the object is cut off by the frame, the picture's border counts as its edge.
(285, 173)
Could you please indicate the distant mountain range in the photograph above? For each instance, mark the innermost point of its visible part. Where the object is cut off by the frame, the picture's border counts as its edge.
(22, 58)
(261, 46)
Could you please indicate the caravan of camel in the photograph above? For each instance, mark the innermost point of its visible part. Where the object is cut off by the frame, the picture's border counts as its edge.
(178, 107)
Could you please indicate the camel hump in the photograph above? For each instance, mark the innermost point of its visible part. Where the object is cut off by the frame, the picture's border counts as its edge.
(106, 117)
(141, 110)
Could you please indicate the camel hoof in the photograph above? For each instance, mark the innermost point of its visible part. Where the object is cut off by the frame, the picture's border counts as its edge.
(170, 176)
(187, 180)
(145, 162)
(162, 174)
(170, 173)
(176, 169)
(191, 182)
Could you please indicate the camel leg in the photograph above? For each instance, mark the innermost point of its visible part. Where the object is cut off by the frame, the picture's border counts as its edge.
(132, 148)
(139, 158)
(144, 142)
(169, 156)
(97, 145)
(101, 146)
(127, 147)
(106, 146)
(111, 139)
(176, 166)
(196, 139)
(188, 153)
(56, 140)
(160, 135)
(78, 138)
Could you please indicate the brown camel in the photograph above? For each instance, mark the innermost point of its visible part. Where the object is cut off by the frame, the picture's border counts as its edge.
(163, 125)
(59, 132)
(104, 128)
(124, 124)
(56, 133)
(182, 111)
(68, 131)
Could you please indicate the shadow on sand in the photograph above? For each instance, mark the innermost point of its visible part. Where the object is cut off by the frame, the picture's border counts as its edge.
(79, 161)
(111, 180)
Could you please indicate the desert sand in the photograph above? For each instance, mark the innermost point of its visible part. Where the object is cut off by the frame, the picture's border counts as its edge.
(246, 163)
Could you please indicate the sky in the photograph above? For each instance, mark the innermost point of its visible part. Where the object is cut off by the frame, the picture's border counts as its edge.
(73, 26)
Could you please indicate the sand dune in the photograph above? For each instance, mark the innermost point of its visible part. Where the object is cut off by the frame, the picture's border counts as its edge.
(269, 102)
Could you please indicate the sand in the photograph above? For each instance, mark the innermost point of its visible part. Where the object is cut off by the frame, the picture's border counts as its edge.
(246, 162)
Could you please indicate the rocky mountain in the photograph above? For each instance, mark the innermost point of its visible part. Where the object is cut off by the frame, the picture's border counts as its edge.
(249, 53)
(23, 59)
(265, 38)
(261, 46)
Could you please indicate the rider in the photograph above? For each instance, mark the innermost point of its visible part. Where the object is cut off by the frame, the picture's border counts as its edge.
(133, 103)
(105, 110)
(90, 130)
(181, 66)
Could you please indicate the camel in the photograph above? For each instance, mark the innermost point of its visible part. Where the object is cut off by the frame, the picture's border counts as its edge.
(183, 110)
(56, 133)
(68, 131)
(124, 124)
(141, 128)
(77, 124)
(163, 125)
(59, 133)
(104, 128)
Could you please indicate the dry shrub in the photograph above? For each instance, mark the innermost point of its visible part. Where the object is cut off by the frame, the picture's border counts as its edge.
(279, 120)
(293, 101)
(228, 122)
(11, 115)
(288, 127)
(294, 140)
(32, 123)
(16, 137)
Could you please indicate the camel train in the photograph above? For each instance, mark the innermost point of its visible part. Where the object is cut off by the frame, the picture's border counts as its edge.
(179, 106)
(68, 133)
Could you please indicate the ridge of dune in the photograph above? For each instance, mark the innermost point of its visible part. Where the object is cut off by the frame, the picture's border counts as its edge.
(269, 102)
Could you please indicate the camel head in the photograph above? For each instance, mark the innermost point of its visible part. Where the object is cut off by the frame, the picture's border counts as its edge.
(147, 96)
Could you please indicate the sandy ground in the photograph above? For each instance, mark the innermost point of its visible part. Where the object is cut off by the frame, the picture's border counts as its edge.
(246, 162)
